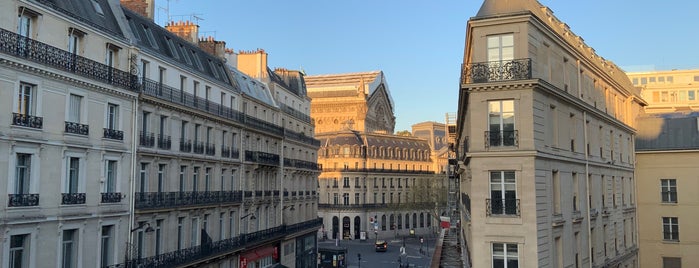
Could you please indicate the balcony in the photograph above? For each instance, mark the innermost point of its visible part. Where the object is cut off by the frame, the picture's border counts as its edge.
(495, 71)
(23, 200)
(301, 164)
(376, 170)
(47, 55)
(188, 256)
(199, 147)
(295, 113)
(24, 120)
(160, 200)
(501, 138)
(262, 158)
(164, 142)
(146, 139)
(113, 134)
(77, 128)
(186, 146)
(72, 198)
(111, 198)
(210, 149)
(225, 151)
(502, 207)
(300, 136)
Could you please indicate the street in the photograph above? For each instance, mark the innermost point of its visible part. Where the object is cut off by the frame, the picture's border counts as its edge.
(392, 257)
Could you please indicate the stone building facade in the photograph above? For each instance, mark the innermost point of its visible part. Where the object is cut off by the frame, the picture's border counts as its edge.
(673, 91)
(545, 145)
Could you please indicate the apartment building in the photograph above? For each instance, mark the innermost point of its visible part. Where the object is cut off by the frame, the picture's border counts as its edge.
(545, 145)
(671, 91)
(666, 174)
(66, 133)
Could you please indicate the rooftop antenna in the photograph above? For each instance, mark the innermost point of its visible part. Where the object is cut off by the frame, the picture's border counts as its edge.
(167, 11)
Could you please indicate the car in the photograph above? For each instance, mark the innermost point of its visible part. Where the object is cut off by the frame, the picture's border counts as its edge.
(381, 246)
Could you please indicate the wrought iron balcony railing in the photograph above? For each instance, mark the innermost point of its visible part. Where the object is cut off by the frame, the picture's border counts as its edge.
(19, 46)
(111, 197)
(295, 113)
(210, 149)
(225, 151)
(158, 200)
(377, 170)
(23, 200)
(302, 164)
(501, 138)
(146, 139)
(186, 146)
(262, 158)
(209, 250)
(199, 147)
(300, 136)
(24, 120)
(164, 142)
(77, 128)
(247, 194)
(113, 134)
(502, 207)
(493, 71)
(72, 198)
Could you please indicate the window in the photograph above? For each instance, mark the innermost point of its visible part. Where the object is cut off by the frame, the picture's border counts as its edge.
(221, 232)
(24, 24)
(345, 182)
(110, 56)
(576, 192)
(503, 193)
(672, 262)
(73, 176)
(556, 185)
(26, 100)
(158, 236)
(195, 179)
(356, 198)
(345, 199)
(183, 171)
(500, 48)
(185, 55)
(69, 249)
(671, 231)
(106, 246)
(207, 181)
(19, 251)
(23, 173)
(74, 108)
(180, 233)
(194, 232)
(161, 176)
(97, 7)
(149, 36)
(505, 255)
(110, 176)
(231, 224)
(112, 116)
(668, 190)
(143, 178)
(336, 199)
(501, 118)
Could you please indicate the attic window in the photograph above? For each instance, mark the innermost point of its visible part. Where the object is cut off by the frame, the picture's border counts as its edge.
(185, 55)
(98, 7)
(213, 69)
(172, 48)
(149, 36)
(196, 59)
(133, 29)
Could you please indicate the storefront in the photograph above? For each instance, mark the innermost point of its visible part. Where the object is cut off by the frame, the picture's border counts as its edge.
(306, 249)
(260, 257)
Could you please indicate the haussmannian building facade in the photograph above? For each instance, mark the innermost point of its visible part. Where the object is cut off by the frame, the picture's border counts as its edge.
(545, 145)
(674, 91)
(666, 147)
(373, 184)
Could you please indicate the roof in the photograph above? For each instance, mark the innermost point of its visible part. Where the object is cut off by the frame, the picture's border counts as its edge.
(151, 37)
(347, 84)
(668, 132)
(293, 81)
(497, 7)
(356, 138)
(252, 87)
(86, 12)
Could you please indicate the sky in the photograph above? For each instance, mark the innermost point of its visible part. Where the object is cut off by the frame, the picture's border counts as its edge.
(419, 44)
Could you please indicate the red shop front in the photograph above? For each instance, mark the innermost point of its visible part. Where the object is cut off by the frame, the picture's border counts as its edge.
(261, 254)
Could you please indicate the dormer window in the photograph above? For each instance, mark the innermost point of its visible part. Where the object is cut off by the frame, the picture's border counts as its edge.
(98, 7)
(149, 36)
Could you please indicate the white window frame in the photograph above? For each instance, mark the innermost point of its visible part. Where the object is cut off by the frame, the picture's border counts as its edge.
(666, 190)
(35, 108)
(34, 170)
(674, 225)
(505, 256)
(32, 250)
(501, 115)
(81, 172)
(115, 123)
(117, 169)
(77, 244)
(498, 57)
(503, 189)
(113, 256)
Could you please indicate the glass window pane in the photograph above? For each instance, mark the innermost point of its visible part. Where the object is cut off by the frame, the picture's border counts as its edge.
(507, 40)
(493, 41)
(508, 53)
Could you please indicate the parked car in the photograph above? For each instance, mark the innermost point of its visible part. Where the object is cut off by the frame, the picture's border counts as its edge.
(381, 246)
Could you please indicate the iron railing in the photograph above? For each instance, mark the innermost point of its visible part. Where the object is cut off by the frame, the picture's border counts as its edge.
(208, 250)
(158, 200)
(199, 147)
(225, 151)
(502, 207)
(146, 139)
(262, 158)
(113, 134)
(210, 149)
(25, 120)
(378, 170)
(111, 197)
(295, 113)
(23, 200)
(16, 45)
(288, 162)
(185, 146)
(164, 142)
(72, 198)
(300, 136)
(492, 71)
(501, 138)
(77, 128)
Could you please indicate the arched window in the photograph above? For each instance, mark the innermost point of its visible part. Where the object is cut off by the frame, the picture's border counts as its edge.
(422, 220)
(407, 220)
(383, 222)
(393, 222)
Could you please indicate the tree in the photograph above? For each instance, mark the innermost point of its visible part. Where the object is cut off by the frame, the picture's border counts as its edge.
(404, 133)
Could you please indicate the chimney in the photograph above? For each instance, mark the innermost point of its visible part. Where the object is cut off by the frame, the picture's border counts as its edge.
(186, 30)
(142, 7)
(231, 57)
(253, 63)
(213, 47)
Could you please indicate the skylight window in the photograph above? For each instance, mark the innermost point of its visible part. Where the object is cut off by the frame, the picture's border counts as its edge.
(98, 7)
(213, 69)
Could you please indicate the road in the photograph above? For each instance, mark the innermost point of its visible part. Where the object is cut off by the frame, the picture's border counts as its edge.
(390, 258)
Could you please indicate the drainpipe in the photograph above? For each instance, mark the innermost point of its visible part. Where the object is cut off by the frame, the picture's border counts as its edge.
(132, 184)
(587, 186)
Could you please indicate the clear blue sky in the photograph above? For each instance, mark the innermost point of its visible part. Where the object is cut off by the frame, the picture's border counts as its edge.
(419, 44)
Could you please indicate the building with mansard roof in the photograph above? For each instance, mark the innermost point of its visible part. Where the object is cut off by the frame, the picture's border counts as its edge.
(544, 145)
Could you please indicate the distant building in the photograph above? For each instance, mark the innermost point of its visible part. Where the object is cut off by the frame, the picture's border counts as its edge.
(668, 91)
(667, 150)
(374, 184)
(436, 136)
(545, 145)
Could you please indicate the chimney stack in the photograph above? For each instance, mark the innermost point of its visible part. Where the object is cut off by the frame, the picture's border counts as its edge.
(142, 7)
(186, 30)
(253, 63)
(213, 47)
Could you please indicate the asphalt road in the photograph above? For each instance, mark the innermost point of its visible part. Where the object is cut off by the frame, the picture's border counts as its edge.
(392, 257)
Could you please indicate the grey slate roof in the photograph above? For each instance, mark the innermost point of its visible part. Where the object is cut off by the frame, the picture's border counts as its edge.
(668, 132)
(151, 37)
(351, 137)
(84, 11)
